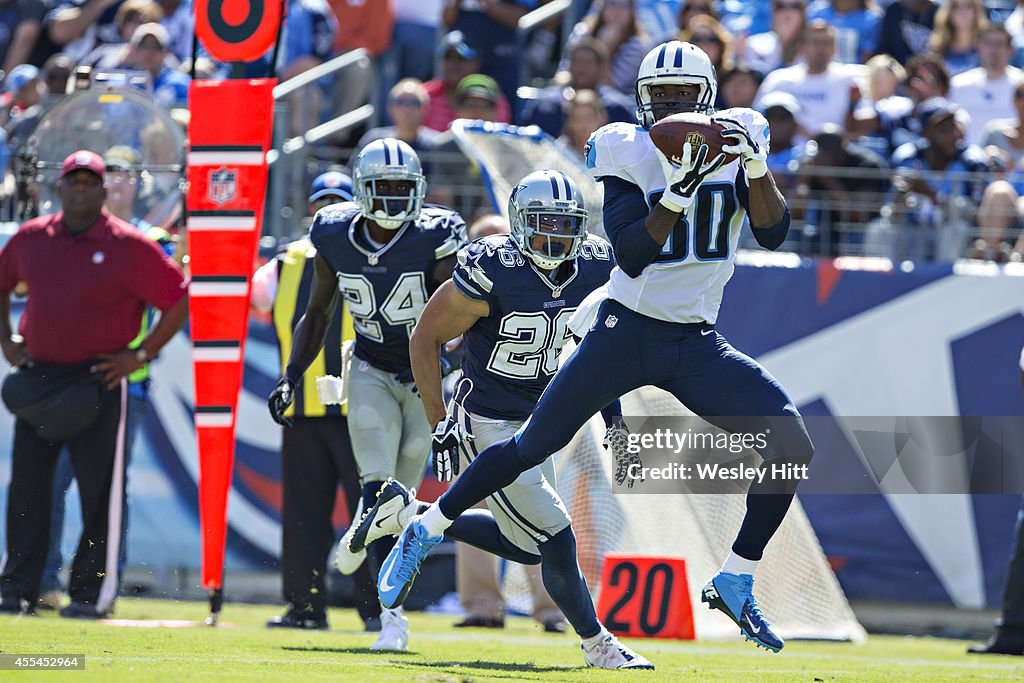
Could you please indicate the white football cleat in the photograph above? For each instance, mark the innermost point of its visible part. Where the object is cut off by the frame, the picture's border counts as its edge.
(394, 631)
(394, 509)
(346, 561)
(609, 653)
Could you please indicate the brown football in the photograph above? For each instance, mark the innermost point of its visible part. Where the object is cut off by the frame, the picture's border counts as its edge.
(672, 132)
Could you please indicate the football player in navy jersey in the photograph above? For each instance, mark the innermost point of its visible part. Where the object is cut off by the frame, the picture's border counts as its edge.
(674, 228)
(511, 298)
(385, 253)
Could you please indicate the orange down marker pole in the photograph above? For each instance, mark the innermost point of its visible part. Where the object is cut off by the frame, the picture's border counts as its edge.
(230, 133)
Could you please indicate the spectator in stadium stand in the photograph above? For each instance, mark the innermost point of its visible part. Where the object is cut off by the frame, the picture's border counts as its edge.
(458, 60)
(21, 24)
(906, 28)
(696, 8)
(1009, 636)
(406, 103)
(179, 20)
(584, 114)
(1007, 135)
(820, 84)
(358, 24)
(79, 26)
(779, 47)
(711, 37)
(588, 70)
(856, 23)
(130, 15)
(835, 201)
(54, 75)
(614, 23)
(889, 121)
(738, 86)
(490, 28)
(786, 141)
(935, 224)
(477, 579)
(1001, 213)
(455, 180)
(986, 92)
(56, 71)
(958, 25)
(316, 452)
(149, 51)
(23, 89)
(411, 53)
(78, 324)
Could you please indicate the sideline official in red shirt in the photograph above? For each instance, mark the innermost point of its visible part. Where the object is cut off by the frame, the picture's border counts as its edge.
(90, 277)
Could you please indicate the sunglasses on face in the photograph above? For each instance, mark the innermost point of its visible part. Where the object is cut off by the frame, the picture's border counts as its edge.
(407, 102)
(779, 6)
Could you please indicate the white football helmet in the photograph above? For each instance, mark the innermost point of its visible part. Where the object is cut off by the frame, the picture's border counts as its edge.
(675, 63)
(547, 204)
(388, 159)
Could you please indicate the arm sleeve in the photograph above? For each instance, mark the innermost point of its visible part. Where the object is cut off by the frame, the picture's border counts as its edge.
(157, 280)
(772, 237)
(9, 265)
(625, 219)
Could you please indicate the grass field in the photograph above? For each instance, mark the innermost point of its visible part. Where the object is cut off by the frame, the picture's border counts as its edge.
(242, 649)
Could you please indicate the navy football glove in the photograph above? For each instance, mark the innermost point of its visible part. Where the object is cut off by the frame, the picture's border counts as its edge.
(280, 398)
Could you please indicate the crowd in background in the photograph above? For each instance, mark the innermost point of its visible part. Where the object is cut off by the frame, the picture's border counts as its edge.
(913, 108)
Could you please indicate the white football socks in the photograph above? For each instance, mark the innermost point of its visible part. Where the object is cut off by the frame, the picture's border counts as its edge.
(592, 642)
(434, 521)
(734, 564)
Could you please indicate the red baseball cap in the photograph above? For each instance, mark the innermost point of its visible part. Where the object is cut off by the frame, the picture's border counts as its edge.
(83, 158)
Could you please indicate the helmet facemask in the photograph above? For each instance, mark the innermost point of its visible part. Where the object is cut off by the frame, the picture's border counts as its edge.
(388, 206)
(388, 183)
(551, 236)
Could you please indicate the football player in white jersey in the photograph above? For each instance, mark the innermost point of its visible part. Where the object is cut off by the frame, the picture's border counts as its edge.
(674, 229)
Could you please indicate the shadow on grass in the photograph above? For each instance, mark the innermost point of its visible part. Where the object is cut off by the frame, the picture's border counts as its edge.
(346, 650)
(519, 668)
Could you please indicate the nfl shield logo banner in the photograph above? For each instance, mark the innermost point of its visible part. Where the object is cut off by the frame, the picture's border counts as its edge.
(223, 185)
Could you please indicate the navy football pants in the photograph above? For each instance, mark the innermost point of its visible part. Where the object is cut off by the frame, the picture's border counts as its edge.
(624, 351)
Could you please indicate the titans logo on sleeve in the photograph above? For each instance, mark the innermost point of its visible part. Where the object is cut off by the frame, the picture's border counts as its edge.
(386, 287)
(512, 354)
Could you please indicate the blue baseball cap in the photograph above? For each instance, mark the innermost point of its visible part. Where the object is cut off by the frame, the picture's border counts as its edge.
(456, 40)
(331, 183)
(19, 76)
(935, 109)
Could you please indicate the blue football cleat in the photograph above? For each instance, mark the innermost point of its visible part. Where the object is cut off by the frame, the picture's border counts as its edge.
(402, 564)
(733, 595)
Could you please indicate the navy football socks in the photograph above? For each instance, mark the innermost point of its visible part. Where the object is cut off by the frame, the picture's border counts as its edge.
(565, 583)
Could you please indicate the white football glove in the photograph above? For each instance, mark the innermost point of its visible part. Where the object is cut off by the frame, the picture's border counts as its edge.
(449, 434)
(616, 439)
(444, 446)
(753, 156)
(682, 181)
